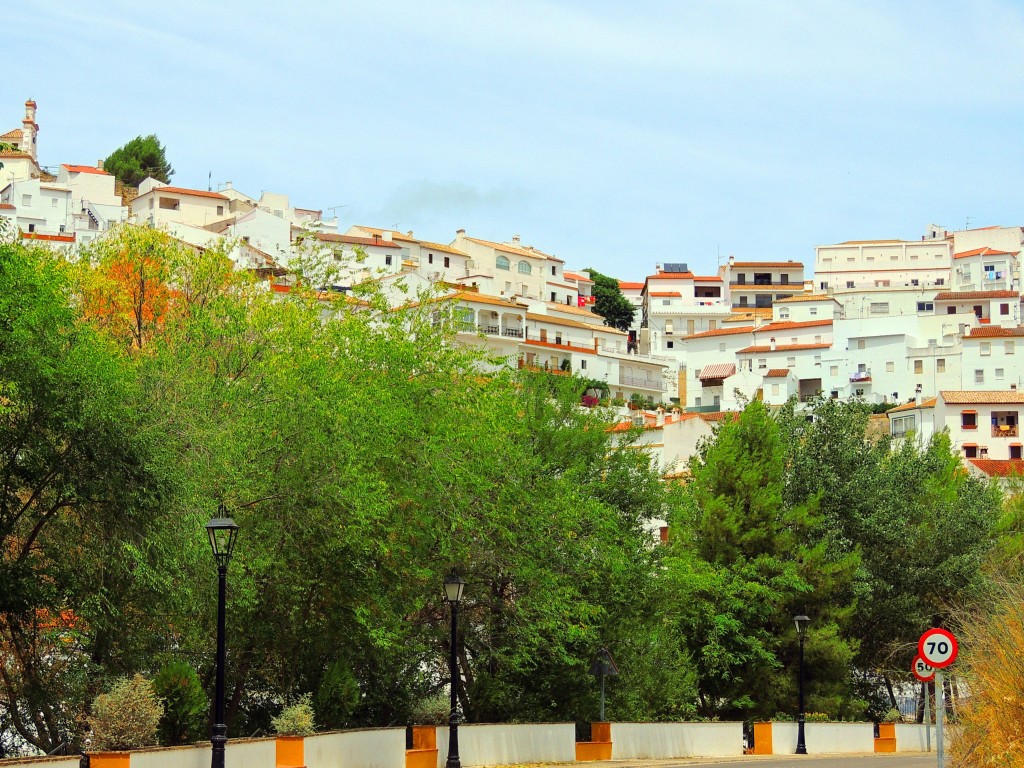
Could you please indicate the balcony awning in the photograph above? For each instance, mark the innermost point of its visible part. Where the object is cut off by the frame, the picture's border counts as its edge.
(968, 410)
(717, 371)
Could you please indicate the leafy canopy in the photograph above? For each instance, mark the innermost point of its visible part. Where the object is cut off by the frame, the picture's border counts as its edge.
(141, 157)
(609, 302)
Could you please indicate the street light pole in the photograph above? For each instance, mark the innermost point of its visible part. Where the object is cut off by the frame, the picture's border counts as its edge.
(453, 588)
(801, 745)
(222, 531)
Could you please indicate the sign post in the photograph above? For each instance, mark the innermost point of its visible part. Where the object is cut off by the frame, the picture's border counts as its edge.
(604, 665)
(925, 673)
(938, 648)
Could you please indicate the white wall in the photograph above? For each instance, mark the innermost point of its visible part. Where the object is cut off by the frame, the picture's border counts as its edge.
(652, 741)
(910, 737)
(824, 738)
(509, 744)
(370, 748)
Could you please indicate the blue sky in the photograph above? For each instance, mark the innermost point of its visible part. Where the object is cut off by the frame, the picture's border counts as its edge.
(613, 134)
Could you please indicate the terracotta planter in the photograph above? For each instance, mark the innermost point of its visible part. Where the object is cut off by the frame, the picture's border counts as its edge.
(110, 759)
(291, 752)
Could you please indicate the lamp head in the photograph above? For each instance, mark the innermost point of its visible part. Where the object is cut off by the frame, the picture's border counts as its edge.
(223, 532)
(453, 587)
(801, 622)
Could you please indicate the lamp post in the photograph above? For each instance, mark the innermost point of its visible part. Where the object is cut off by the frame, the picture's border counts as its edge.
(453, 588)
(801, 622)
(223, 532)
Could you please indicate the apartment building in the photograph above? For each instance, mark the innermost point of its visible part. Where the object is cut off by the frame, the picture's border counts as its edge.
(760, 283)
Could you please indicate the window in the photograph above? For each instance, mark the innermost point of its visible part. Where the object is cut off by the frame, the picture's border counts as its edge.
(940, 281)
(430, 258)
(849, 283)
(1004, 309)
(524, 268)
(970, 451)
(979, 376)
(817, 339)
(387, 261)
(940, 365)
(553, 297)
(668, 326)
(925, 306)
(901, 425)
(775, 389)
(915, 282)
(879, 308)
(220, 210)
(814, 311)
(501, 262)
(919, 366)
(791, 362)
(26, 199)
(784, 313)
(53, 202)
(881, 283)
(968, 420)
(554, 273)
(583, 365)
(914, 257)
(999, 374)
(1008, 347)
(447, 262)
(817, 359)
(31, 227)
(743, 301)
(168, 203)
(860, 343)
(666, 302)
(890, 366)
(762, 363)
(721, 346)
(986, 348)
(670, 345)
(833, 370)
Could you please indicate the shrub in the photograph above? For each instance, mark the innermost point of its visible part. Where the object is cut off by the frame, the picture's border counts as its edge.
(816, 717)
(127, 716)
(296, 719)
(185, 703)
(432, 711)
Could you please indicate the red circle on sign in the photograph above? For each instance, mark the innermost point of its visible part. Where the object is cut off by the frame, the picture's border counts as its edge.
(917, 672)
(938, 648)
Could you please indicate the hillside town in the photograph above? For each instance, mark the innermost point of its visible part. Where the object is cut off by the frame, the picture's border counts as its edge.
(925, 331)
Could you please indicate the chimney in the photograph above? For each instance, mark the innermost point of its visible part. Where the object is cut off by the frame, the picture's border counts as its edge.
(917, 394)
(460, 232)
(515, 239)
(229, 185)
(771, 343)
(660, 417)
(99, 165)
(387, 235)
(409, 233)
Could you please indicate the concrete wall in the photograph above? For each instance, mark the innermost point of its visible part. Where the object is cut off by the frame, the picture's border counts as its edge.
(42, 762)
(824, 738)
(509, 744)
(910, 737)
(670, 740)
(238, 752)
(371, 748)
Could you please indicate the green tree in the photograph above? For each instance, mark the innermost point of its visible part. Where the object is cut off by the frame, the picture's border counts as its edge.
(186, 707)
(609, 302)
(141, 157)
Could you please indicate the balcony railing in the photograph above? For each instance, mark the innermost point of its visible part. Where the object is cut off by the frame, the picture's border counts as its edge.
(629, 381)
(492, 329)
(515, 333)
(1005, 430)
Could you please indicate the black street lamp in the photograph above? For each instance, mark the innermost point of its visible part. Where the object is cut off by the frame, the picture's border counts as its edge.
(453, 588)
(801, 622)
(223, 532)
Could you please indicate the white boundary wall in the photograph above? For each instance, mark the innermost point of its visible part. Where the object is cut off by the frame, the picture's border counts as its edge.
(910, 737)
(370, 748)
(651, 741)
(510, 744)
(824, 738)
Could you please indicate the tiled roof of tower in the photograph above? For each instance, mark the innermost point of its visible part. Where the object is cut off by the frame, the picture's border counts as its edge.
(85, 169)
(792, 325)
(981, 397)
(967, 295)
(15, 134)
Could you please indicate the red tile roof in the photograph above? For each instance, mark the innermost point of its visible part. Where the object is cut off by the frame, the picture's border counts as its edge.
(580, 278)
(782, 348)
(720, 332)
(966, 295)
(15, 134)
(707, 279)
(792, 325)
(805, 297)
(677, 294)
(999, 467)
(84, 169)
(985, 252)
(992, 331)
(767, 264)
(330, 237)
(981, 397)
(183, 191)
(671, 276)
(630, 286)
(777, 373)
(7, 206)
(49, 238)
(928, 402)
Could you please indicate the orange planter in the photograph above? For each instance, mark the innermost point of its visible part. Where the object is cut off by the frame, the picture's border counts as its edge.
(600, 745)
(291, 752)
(424, 748)
(762, 739)
(886, 741)
(110, 759)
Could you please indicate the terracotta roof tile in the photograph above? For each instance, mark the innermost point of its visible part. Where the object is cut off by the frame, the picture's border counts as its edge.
(7, 207)
(993, 331)
(983, 252)
(441, 247)
(967, 295)
(572, 323)
(981, 397)
(720, 332)
(782, 348)
(717, 371)
(766, 264)
(805, 297)
(671, 276)
(184, 191)
(580, 278)
(514, 249)
(999, 467)
(394, 235)
(85, 169)
(15, 134)
(928, 402)
(707, 279)
(777, 373)
(630, 286)
(330, 237)
(676, 294)
(792, 325)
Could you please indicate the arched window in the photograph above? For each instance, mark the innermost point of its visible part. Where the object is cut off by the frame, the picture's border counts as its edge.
(501, 262)
(524, 267)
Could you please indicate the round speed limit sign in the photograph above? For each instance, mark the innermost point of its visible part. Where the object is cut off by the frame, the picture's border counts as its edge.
(922, 670)
(938, 648)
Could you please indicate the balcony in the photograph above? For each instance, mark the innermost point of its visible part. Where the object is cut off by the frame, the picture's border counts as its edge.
(513, 333)
(491, 329)
(640, 383)
(1005, 430)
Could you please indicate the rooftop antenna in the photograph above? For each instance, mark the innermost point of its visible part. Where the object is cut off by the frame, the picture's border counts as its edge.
(209, 181)
(337, 207)
(967, 222)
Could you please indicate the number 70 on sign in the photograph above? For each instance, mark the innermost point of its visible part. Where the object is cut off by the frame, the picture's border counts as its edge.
(938, 648)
